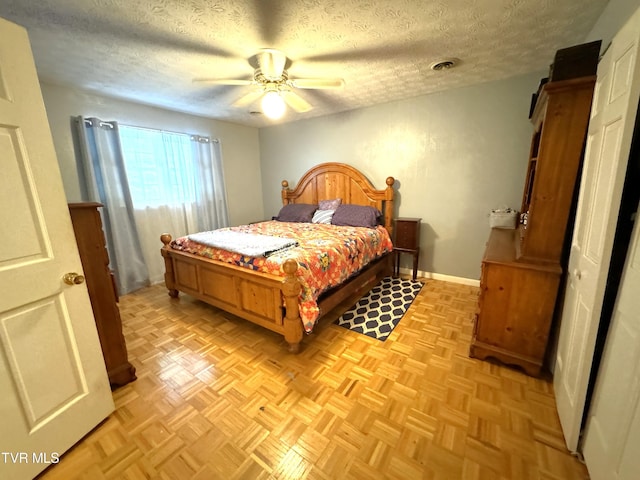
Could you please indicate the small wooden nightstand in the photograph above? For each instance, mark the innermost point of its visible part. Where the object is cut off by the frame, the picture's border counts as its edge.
(407, 240)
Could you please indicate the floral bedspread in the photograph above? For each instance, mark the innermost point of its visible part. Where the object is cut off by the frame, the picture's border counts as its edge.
(327, 255)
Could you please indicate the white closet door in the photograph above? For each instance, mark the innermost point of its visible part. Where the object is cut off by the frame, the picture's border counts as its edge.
(612, 435)
(609, 137)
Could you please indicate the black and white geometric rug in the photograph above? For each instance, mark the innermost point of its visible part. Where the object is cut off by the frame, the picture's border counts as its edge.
(379, 311)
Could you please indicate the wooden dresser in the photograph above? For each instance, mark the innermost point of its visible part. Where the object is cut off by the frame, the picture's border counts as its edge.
(87, 227)
(522, 268)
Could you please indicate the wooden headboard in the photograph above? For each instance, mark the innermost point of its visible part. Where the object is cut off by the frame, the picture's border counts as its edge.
(338, 180)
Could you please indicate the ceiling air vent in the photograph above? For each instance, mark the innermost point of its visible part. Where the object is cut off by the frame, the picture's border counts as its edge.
(445, 64)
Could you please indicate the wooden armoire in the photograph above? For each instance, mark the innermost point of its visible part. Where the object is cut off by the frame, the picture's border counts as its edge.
(522, 268)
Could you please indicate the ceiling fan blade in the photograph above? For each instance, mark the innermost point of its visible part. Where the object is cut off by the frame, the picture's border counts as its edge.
(248, 99)
(296, 102)
(271, 63)
(222, 81)
(318, 83)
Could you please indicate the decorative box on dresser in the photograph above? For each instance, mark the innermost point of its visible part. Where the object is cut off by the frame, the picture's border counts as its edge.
(522, 268)
(407, 240)
(87, 226)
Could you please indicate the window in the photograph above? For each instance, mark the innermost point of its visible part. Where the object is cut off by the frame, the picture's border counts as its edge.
(150, 182)
(160, 166)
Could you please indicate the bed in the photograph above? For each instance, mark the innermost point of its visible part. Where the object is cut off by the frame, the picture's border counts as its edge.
(274, 298)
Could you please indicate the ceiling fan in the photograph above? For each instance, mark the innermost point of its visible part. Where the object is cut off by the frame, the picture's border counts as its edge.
(272, 82)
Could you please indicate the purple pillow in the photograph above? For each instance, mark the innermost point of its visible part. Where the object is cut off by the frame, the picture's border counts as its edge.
(296, 212)
(356, 216)
(329, 204)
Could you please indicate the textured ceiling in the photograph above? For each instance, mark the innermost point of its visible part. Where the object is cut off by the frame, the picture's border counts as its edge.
(149, 51)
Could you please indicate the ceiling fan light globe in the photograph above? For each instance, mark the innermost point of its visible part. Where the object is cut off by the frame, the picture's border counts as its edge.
(273, 105)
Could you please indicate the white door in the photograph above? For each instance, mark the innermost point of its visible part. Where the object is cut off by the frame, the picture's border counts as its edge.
(53, 382)
(611, 443)
(608, 144)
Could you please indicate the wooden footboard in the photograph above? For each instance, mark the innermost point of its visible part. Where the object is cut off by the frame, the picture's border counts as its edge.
(254, 296)
(259, 297)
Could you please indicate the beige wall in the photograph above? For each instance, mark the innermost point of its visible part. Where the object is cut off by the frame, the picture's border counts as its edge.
(240, 148)
(455, 156)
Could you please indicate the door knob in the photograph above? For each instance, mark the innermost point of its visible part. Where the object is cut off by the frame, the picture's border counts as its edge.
(72, 278)
(577, 273)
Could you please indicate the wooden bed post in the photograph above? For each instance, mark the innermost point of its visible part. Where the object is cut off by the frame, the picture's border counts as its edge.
(285, 190)
(388, 205)
(169, 279)
(291, 289)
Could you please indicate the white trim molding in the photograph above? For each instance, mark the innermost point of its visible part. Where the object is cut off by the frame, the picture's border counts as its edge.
(445, 278)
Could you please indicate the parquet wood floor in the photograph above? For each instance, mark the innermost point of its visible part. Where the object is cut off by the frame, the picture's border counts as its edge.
(219, 398)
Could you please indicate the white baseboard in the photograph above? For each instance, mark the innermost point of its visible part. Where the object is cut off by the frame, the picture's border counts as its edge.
(445, 278)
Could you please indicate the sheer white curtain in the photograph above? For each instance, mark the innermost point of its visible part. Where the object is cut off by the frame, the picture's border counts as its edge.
(102, 166)
(177, 186)
(174, 184)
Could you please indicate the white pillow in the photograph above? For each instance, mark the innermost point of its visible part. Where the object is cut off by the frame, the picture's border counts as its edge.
(322, 216)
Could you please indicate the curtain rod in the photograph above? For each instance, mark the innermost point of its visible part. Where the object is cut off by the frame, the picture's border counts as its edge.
(197, 138)
(100, 123)
(193, 136)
